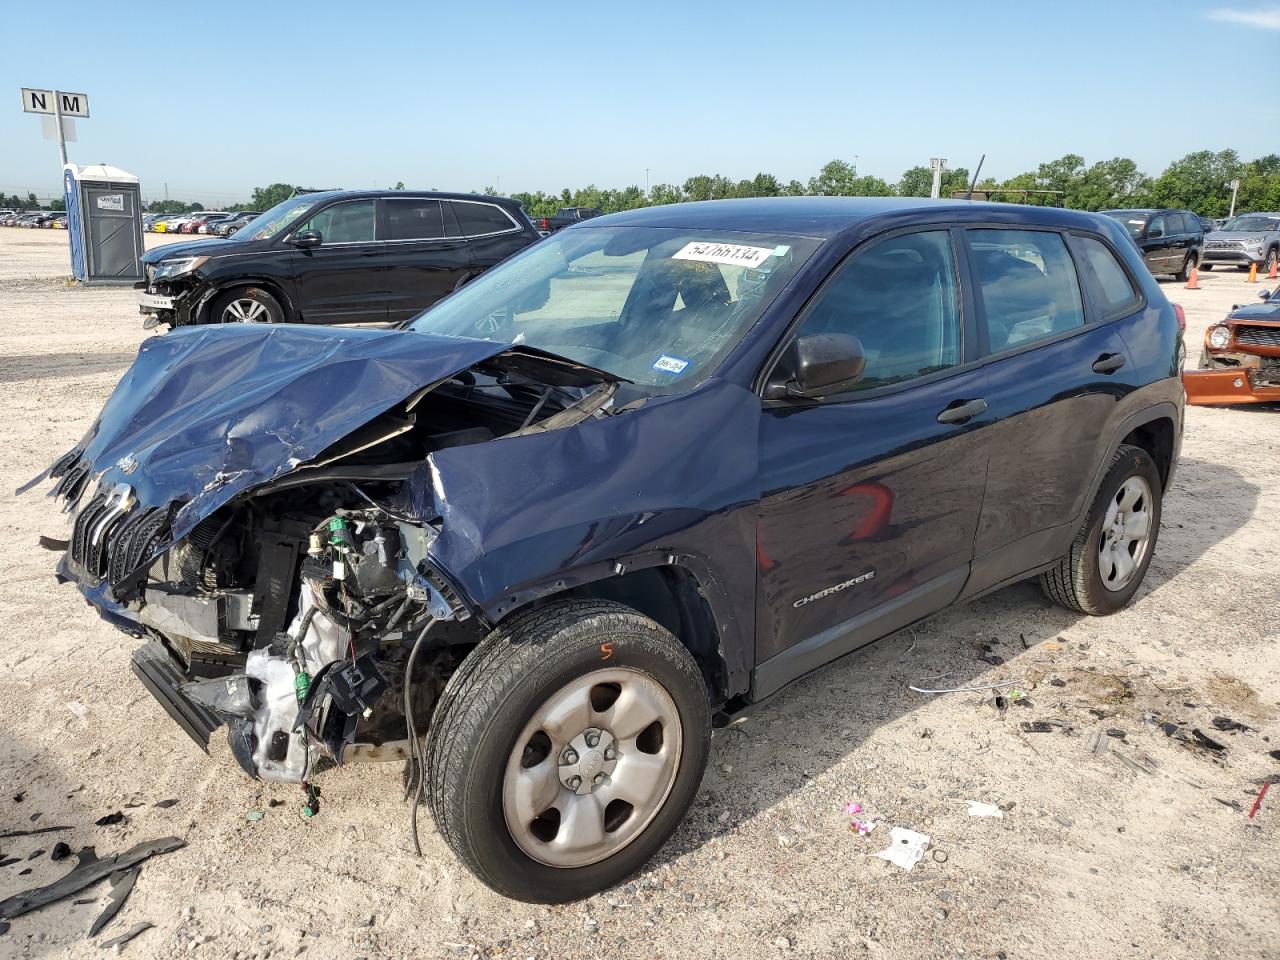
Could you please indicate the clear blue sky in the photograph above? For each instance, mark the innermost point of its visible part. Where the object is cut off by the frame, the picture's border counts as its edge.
(546, 95)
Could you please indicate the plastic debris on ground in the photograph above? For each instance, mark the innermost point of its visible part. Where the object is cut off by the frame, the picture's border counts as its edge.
(979, 808)
(861, 827)
(906, 847)
(253, 816)
(128, 935)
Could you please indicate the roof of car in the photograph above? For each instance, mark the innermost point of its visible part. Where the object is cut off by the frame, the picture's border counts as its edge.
(825, 217)
(434, 194)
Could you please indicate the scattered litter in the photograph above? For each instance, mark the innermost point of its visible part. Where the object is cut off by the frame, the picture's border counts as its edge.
(121, 886)
(19, 796)
(1227, 725)
(1036, 726)
(111, 819)
(1116, 733)
(1063, 821)
(940, 856)
(9, 861)
(79, 709)
(1258, 802)
(977, 689)
(1274, 754)
(1144, 767)
(1057, 682)
(1209, 744)
(60, 851)
(4, 927)
(862, 827)
(253, 816)
(978, 808)
(89, 869)
(1051, 646)
(1098, 743)
(166, 804)
(852, 808)
(35, 853)
(906, 848)
(128, 935)
(1233, 804)
(24, 872)
(987, 656)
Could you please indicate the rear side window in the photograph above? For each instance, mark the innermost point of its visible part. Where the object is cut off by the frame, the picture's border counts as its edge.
(413, 219)
(1109, 286)
(478, 219)
(1028, 286)
(900, 298)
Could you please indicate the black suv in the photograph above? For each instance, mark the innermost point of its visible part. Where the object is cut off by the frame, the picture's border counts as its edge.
(1171, 241)
(334, 257)
(640, 476)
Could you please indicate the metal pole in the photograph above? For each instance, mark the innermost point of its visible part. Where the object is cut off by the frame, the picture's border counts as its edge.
(646, 181)
(57, 118)
(939, 164)
(1235, 187)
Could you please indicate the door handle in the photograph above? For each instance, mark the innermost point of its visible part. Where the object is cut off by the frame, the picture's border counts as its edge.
(1108, 363)
(962, 411)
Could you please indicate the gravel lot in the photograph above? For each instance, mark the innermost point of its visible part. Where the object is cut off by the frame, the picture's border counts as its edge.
(1143, 851)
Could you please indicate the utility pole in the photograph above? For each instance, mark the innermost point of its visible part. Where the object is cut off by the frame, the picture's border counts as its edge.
(57, 118)
(646, 181)
(1235, 188)
(939, 164)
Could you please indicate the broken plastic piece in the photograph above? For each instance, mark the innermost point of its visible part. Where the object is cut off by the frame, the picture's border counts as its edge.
(128, 935)
(1227, 725)
(87, 871)
(1036, 726)
(906, 847)
(60, 852)
(977, 689)
(253, 816)
(978, 808)
(852, 808)
(121, 887)
(111, 819)
(1258, 802)
(1207, 743)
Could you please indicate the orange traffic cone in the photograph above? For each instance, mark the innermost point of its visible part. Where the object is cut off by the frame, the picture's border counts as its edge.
(1193, 281)
(1253, 273)
(1275, 269)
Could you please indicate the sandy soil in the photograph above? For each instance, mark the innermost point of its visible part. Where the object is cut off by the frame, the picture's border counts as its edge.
(1143, 851)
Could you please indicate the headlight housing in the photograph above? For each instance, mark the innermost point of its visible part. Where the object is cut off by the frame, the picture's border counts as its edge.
(1219, 337)
(167, 269)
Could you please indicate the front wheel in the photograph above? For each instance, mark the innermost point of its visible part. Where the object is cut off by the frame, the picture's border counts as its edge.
(566, 750)
(245, 305)
(1111, 553)
(1270, 263)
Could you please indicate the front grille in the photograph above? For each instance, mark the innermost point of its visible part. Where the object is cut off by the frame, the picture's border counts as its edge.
(1224, 245)
(1258, 336)
(132, 542)
(110, 539)
(85, 553)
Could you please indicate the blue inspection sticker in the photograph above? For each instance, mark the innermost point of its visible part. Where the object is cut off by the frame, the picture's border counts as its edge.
(672, 365)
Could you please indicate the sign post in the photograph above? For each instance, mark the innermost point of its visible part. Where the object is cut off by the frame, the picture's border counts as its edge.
(61, 105)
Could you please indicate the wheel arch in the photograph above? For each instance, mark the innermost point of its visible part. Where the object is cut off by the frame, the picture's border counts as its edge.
(271, 286)
(677, 592)
(1156, 429)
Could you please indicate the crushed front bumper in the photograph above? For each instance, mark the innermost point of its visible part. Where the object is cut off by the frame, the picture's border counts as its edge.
(1229, 385)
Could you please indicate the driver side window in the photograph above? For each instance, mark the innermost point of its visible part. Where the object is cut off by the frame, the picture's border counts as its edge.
(900, 298)
(351, 221)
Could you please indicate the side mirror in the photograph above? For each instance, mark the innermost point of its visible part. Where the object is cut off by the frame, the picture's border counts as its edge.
(820, 365)
(1264, 295)
(1155, 234)
(307, 239)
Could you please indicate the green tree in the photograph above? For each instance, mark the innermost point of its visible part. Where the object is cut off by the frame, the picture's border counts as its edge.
(915, 182)
(1260, 184)
(1200, 181)
(663, 193)
(58, 204)
(839, 179)
(264, 198)
(1109, 184)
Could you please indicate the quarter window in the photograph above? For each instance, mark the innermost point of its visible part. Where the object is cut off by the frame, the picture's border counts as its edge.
(478, 219)
(1157, 228)
(414, 219)
(1109, 287)
(1028, 286)
(900, 298)
(351, 221)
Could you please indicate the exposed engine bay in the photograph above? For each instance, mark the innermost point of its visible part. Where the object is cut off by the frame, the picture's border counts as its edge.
(304, 612)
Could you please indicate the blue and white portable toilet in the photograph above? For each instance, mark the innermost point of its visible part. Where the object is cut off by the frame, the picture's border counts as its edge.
(104, 223)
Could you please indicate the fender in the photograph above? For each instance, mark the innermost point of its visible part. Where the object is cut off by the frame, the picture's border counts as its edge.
(215, 287)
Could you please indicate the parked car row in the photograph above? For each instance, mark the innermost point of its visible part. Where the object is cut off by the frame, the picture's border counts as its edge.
(565, 217)
(1174, 241)
(45, 219)
(202, 221)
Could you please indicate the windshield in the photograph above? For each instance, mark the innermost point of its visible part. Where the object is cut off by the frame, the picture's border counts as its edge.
(277, 218)
(658, 306)
(1133, 220)
(1252, 224)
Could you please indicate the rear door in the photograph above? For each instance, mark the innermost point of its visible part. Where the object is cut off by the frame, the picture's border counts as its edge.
(491, 233)
(344, 280)
(1054, 383)
(871, 501)
(425, 257)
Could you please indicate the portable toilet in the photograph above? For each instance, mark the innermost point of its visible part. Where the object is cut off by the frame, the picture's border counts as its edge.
(104, 224)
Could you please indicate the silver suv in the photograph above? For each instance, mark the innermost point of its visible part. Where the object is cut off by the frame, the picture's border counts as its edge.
(1251, 238)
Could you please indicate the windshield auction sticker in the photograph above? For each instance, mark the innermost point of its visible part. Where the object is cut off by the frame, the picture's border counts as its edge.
(732, 253)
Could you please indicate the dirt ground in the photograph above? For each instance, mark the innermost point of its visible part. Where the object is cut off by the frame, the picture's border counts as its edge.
(1144, 850)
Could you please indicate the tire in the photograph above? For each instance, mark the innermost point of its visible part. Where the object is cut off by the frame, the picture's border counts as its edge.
(1205, 267)
(493, 707)
(245, 305)
(1082, 580)
(1185, 273)
(1270, 261)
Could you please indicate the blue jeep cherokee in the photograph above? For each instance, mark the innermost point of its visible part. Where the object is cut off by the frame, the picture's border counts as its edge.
(637, 477)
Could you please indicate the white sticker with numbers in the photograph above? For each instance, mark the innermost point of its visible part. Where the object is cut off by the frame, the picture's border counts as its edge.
(735, 254)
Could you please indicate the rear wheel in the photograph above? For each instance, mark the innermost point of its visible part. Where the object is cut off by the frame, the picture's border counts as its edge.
(566, 749)
(1270, 262)
(1206, 267)
(1109, 557)
(245, 305)
(1185, 273)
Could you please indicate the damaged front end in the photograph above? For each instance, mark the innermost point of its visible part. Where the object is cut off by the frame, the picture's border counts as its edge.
(255, 502)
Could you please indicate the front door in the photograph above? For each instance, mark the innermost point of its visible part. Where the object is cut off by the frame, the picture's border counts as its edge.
(344, 279)
(1155, 244)
(871, 499)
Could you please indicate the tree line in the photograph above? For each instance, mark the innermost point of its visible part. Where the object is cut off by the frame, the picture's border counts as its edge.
(1200, 181)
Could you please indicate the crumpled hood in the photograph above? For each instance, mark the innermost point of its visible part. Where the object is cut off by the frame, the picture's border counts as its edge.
(201, 246)
(1266, 310)
(206, 413)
